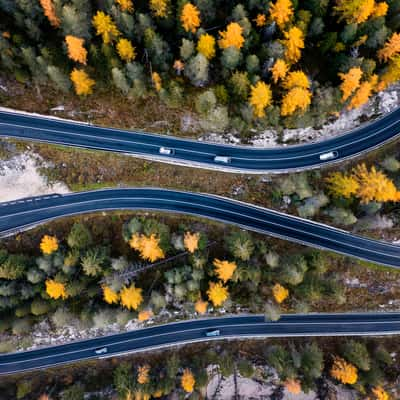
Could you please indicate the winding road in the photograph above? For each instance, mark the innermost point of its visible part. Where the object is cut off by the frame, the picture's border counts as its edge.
(290, 325)
(22, 214)
(195, 153)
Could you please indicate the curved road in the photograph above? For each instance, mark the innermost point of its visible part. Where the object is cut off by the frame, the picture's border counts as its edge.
(195, 153)
(21, 214)
(350, 324)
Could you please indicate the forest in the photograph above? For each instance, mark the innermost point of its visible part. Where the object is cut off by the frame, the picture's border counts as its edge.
(239, 65)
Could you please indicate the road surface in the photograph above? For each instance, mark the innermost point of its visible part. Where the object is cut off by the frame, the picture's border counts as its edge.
(195, 153)
(22, 214)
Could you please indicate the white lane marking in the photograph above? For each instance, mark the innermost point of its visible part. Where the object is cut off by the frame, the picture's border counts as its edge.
(298, 230)
(257, 324)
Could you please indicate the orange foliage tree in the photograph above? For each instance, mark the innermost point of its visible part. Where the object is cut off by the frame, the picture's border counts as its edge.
(295, 99)
(159, 8)
(354, 11)
(188, 381)
(82, 83)
(191, 241)
(109, 295)
(294, 42)
(340, 184)
(363, 93)
(380, 393)
(232, 36)
(144, 315)
(125, 50)
(131, 297)
(56, 289)
(350, 81)
(343, 371)
(279, 70)
(143, 374)
(50, 12)
(380, 9)
(156, 79)
(260, 20)
(126, 5)
(190, 17)
(280, 293)
(105, 27)
(206, 46)
(201, 306)
(48, 244)
(217, 293)
(293, 386)
(391, 48)
(281, 12)
(76, 51)
(260, 98)
(147, 246)
(296, 79)
(224, 269)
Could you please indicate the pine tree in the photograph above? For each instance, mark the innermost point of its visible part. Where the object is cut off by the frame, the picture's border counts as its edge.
(120, 80)
(60, 79)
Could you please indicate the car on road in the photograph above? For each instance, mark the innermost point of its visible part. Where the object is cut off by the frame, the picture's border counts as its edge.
(213, 332)
(166, 151)
(222, 159)
(103, 350)
(328, 156)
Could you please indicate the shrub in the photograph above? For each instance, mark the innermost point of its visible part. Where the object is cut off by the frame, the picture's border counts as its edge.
(205, 102)
(196, 70)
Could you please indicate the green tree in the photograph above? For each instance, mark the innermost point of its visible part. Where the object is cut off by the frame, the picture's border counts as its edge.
(93, 260)
(241, 245)
(357, 354)
(74, 392)
(79, 237)
(196, 70)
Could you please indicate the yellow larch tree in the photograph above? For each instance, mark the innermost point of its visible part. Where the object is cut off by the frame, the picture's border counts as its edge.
(105, 27)
(56, 289)
(363, 93)
(232, 36)
(126, 50)
(82, 83)
(354, 11)
(206, 46)
(391, 75)
(48, 244)
(143, 374)
(280, 293)
(217, 293)
(50, 12)
(131, 297)
(380, 393)
(380, 9)
(224, 269)
(281, 12)
(147, 246)
(340, 184)
(391, 48)
(260, 98)
(201, 306)
(187, 381)
(295, 99)
(343, 371)
(156, 79)
(260, 20)
(125, 5)
(76, 51)
(374, 185)
(294, 42)
(279, 70)
(191, 241)
(109, 295)
(350, 81)
(190, 17)
(293, 386)
(296, 79)
(144, 315)
(159, 8)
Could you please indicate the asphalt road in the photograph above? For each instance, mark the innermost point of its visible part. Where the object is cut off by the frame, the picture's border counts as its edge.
(350, 324)
(195, 153)
(22, 214)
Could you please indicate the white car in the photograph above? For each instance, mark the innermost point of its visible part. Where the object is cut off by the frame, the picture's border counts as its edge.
(222, 159)
(103, 350)
(213, 332)
(166, 151)
(328, 156)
